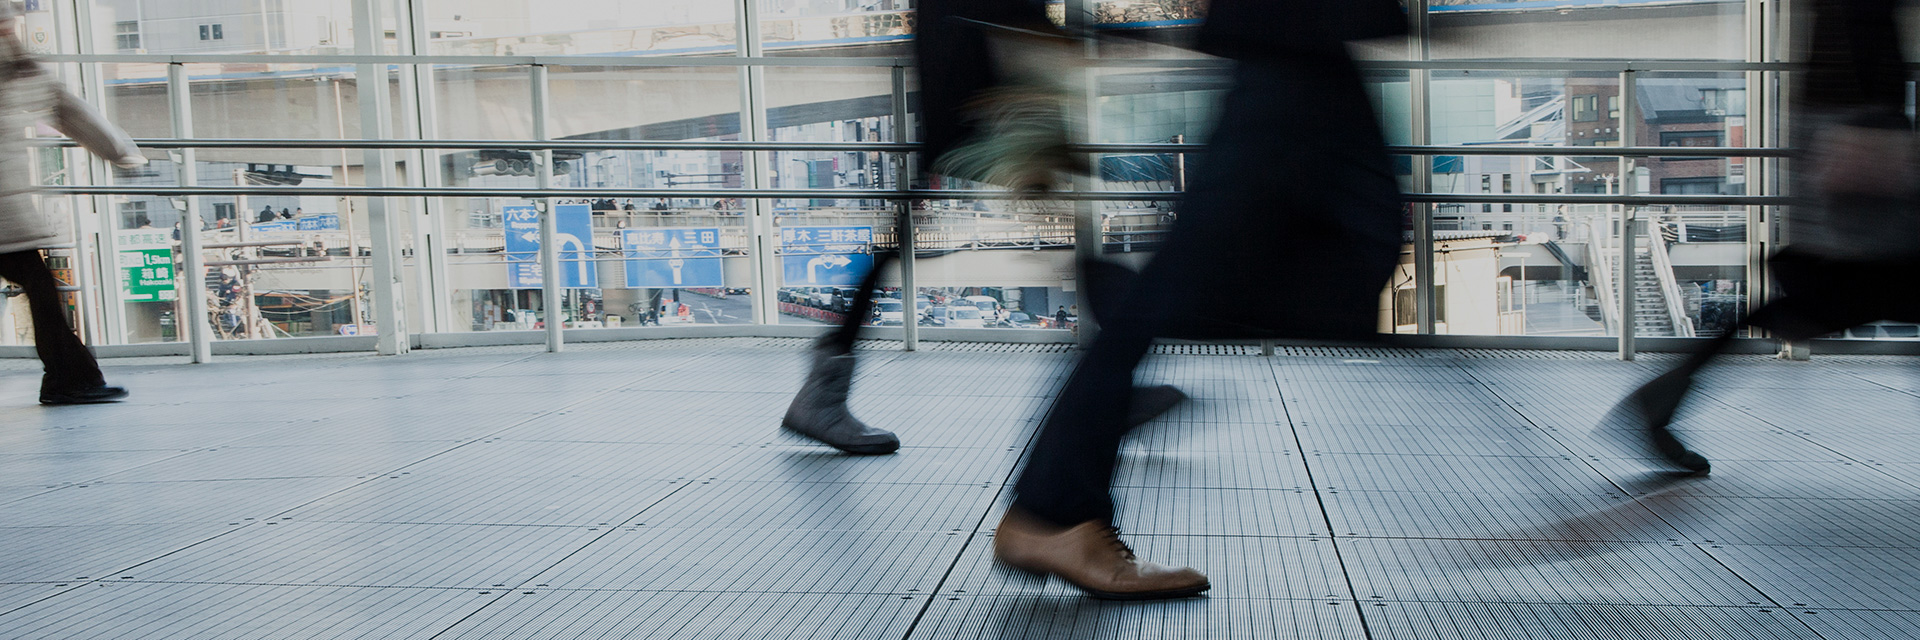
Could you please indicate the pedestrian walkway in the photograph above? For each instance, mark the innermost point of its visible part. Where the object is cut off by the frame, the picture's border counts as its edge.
(639, 490)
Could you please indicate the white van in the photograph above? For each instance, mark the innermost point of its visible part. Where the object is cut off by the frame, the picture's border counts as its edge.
(965, 318)
(989, 307)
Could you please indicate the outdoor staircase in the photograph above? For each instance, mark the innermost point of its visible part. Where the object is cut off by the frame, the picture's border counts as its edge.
(1650, 315)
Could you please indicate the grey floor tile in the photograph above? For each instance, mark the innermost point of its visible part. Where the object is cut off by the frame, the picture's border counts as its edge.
(240, 612)
(1237, 567)
(1828, 577)
(1259, 470)
(1544, 572)
(13, 596)
(1365, 410)
(1791, 521)
(1533, 516)
(1751, 445)
(79, 434)
(1864, 625)
(167, 502)
(1772, 479)
(1476, 474)
(1022, 617)
(639, 425)
(53, 554)
(298, 461)
(536, 459)
(910, 465)
(829, 506)
(54, 469)
(567, 615)
(1199, 436)
(1216, 512)
(1496, 621)
(372, 555)
(1419, 439)
(769, 561)
(489, 499)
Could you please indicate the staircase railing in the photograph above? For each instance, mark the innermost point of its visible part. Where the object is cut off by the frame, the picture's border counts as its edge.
(1669, 286)
(1600, 269)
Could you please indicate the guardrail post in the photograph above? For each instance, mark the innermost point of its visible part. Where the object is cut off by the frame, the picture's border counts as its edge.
(903, 229)
(1629, 302)
(193, 275)
(552, 294)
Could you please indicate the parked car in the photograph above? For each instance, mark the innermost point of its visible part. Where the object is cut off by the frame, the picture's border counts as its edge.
(1020, 320)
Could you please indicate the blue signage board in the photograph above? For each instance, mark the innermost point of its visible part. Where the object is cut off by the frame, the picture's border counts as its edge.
(574, 232)
(673, 258)
(322, 222)
(277, 225)
(825, 256)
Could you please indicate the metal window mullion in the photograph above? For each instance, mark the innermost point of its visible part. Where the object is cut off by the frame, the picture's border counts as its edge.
(1629, 298)
(193, 285)
(1089, 234)
(105, 308)
(389, 310)
(432, 223)
(551, 293)
(1420, 92)
(903, 175)
(1762, 128)
(762, 236)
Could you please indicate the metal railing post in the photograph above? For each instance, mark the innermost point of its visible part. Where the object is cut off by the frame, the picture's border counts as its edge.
(193, 275)
(552, 294)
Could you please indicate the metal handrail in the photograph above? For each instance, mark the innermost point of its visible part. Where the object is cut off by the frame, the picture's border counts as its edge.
(1669, 285)
(1600, 271)
(897, 147)
(614, 60)
(859, 194)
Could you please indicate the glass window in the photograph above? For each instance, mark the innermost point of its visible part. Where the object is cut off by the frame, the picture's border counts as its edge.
(580, 27)
(126, 35)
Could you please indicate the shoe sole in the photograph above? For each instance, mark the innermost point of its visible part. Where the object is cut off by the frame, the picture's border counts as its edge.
(1170, 594)
(795, 435)
(68, 403)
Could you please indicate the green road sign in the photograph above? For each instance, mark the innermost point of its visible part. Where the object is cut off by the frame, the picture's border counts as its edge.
(146, 265)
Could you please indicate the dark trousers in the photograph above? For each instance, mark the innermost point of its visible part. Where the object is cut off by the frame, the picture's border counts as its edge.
(1297, 163)
(68, 363)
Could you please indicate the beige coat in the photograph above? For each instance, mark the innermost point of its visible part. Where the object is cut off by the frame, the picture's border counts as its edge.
(29, 97)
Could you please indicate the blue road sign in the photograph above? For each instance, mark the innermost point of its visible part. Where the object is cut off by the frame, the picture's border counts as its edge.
(574, 232)
(673, 258)
(825, 256)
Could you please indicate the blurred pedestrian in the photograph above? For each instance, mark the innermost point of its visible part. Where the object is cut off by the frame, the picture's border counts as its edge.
(29, 96)
(991, 114)
(1854, 234)
(1294, 200)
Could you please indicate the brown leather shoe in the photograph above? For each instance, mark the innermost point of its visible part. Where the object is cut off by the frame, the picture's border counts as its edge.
(1092, 557)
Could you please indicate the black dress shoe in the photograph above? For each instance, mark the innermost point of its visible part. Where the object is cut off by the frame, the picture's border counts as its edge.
(90, 395)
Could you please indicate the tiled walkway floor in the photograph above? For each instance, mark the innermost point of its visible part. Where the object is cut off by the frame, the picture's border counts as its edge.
(639, 491)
